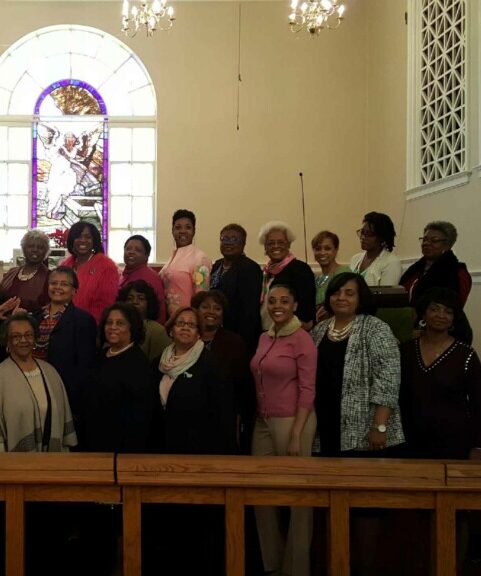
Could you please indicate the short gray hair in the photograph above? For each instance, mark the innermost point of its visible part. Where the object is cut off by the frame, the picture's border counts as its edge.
(276, 225)
(36, 235)
(446, 228)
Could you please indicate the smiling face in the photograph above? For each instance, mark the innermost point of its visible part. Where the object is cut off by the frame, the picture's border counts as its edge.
(438, 318)
(281, 305)
(345, 301)
(134, 254)
(325, 253)
(21, 340)
(117, 330)
(183, 232)
(83, 244)
(185, 331)
(277, 246)
(60, 288)
(34, 251)
(211, 314)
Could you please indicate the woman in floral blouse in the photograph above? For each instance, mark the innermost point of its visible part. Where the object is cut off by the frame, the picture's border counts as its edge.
(188, 270)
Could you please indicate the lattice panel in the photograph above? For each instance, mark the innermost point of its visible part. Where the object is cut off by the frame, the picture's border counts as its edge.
(443, 89)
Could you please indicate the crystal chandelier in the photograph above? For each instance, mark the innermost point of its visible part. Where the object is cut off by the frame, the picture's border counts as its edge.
(315, 15)
(150, 16)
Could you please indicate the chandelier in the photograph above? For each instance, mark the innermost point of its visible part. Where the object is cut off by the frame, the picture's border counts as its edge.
(315, 15)
(149, 16)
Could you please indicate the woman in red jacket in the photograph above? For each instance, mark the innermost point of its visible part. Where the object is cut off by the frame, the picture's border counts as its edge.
(97, 274)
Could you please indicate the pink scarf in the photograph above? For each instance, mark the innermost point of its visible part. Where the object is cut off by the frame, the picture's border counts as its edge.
(270, 270)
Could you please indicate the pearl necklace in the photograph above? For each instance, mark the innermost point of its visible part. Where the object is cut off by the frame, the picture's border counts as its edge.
(339, 335)
(24, 277)
(111, 352)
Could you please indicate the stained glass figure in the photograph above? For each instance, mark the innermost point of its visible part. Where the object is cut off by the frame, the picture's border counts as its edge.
(70, 158)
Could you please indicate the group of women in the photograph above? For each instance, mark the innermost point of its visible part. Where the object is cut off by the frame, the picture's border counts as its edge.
(219, 359)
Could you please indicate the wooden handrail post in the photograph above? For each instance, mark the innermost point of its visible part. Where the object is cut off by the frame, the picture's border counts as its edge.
(132, 533)
(234, 532)
(444, 535)
(15, 531)
(338, 533)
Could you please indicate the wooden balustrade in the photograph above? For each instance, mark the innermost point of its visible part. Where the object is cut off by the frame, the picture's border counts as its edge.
(234, 482)
(50, 477)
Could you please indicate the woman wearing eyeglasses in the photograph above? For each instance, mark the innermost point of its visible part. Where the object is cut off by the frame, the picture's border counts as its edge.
(240, 279)
(196, 414)
(439, 268)
(67, 336)
(34, 409)
(284, 268)
(376, 263)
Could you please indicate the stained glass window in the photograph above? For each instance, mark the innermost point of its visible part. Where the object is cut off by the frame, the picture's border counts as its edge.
(70, 158)
(77, 137)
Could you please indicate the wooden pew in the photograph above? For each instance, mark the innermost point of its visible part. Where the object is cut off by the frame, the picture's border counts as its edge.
(237, 481)
(49, 477)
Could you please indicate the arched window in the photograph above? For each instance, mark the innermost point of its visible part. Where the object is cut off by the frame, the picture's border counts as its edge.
(77, 137)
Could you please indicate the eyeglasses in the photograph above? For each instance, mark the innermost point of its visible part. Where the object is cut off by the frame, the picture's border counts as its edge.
(60, 283)
(233, 240)
(28, 337)
(184, 324)
(366, 233)
(428, 240)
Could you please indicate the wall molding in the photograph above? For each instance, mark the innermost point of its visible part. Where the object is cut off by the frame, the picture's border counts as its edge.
(455, 181)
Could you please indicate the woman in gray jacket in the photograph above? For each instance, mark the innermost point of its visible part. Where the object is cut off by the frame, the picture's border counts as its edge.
(358, 374)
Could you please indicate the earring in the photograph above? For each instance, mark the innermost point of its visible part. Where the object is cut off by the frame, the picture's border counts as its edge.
(422, 323)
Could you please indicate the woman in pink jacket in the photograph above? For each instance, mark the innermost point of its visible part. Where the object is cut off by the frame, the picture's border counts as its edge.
(98, 275)
(284, 369)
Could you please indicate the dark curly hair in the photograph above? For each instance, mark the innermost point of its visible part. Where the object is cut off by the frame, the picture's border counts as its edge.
(367, 303)
(77, 230)
(142, 287)
(444, 296)
(178, 214)
(131, 314)
(216, 295)
(382, 226)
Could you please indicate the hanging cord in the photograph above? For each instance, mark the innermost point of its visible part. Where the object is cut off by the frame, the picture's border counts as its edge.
(239, 77)
(303, 214)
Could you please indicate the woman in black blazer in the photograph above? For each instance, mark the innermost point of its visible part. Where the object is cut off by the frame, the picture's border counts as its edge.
(67, 337)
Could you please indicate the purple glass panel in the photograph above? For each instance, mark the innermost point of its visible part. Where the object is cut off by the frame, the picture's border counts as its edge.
(70, 159)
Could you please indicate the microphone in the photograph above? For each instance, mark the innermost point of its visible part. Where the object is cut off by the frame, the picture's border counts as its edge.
(303, 214)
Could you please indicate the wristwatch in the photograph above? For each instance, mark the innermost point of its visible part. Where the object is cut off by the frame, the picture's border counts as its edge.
(379, 427)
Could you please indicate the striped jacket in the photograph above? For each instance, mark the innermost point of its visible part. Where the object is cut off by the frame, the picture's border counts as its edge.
(372, 375)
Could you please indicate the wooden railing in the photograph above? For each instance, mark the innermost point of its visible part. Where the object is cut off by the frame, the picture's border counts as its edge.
(235, 482)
